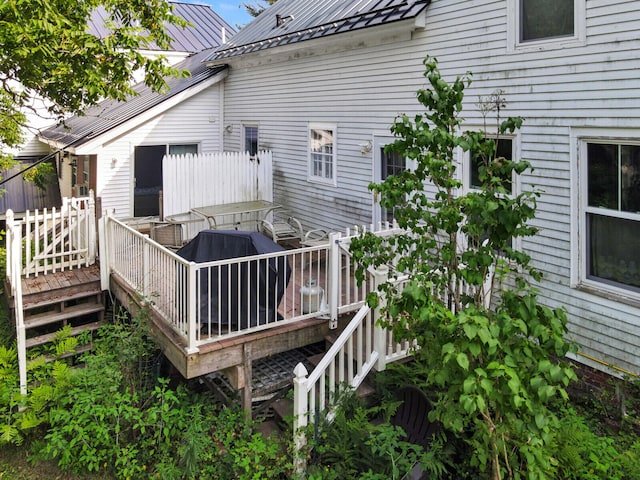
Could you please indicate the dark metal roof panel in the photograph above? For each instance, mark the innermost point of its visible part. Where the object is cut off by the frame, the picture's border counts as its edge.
(20, 196)
(205, 32)
(110, 113)
(307, 19)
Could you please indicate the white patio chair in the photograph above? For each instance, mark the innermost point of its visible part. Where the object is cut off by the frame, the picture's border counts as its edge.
(285, 228)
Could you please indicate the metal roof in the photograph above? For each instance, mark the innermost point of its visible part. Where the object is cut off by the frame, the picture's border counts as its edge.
(293, 21)
(205, 32)
(20, 195)
(109, 114)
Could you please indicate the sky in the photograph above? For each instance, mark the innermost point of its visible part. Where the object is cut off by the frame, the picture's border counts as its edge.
(231, 11)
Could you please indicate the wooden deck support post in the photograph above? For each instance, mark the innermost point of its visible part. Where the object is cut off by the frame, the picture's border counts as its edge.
(247, 368)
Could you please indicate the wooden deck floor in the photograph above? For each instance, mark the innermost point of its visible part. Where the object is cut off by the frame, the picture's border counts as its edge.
(56, 281)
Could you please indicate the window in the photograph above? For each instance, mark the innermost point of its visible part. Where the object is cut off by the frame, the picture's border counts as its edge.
(612, 214)
(250, 139)
(392, 163)
(545, 24)
(322, 154)
(540, 19)
(183, 149)
(504, 149)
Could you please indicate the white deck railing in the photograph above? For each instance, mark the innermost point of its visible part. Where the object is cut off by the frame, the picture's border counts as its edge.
(208, 302)
(42, 242)
(54, 240)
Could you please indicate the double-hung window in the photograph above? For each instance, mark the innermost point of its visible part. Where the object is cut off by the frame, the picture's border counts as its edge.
(611, 214)
(322, 153)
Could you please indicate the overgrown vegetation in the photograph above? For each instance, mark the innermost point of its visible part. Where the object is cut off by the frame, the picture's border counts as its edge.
(487, 349)
(115, 417)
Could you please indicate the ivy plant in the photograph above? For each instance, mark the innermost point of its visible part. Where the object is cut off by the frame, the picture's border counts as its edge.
(488, 350)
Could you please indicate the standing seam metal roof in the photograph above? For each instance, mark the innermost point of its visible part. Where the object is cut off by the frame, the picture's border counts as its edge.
(205, 32)
(308, 19)
(111, 113)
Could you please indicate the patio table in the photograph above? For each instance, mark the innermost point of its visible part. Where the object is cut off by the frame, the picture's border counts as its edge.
(240, 213)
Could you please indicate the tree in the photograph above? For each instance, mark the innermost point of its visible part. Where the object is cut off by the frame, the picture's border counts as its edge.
(48, 53)
(488, 351)
(257, 7)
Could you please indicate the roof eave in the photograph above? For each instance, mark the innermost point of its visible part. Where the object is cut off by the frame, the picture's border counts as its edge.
(417, 22)
(91, 145)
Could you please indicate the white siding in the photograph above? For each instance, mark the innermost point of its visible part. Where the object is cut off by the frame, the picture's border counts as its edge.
(196, 120)
(362, 88)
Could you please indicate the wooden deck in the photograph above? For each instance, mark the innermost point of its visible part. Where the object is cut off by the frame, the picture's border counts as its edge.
(233, 355)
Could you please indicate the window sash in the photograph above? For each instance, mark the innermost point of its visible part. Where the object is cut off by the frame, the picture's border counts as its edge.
(612, 214)
(542, 19)
(322, 154)
(183, 149)
(251, 139)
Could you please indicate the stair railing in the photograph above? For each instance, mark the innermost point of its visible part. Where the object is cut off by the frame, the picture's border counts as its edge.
(361, 347)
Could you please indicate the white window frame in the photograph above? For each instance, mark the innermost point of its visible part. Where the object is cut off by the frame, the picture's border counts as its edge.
(580, 137)
(513, 30)
(464, 159)
(464, 168)
(333, 180)
(246, 125)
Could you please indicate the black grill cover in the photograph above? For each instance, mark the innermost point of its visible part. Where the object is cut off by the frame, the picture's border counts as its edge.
(242, 294)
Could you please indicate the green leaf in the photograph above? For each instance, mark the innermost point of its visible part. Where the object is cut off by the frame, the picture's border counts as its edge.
(463, 361)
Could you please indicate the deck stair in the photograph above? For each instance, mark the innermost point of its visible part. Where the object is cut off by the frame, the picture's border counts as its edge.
(52, 301)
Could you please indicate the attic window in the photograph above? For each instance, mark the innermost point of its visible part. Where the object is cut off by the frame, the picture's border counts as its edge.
(282, 20)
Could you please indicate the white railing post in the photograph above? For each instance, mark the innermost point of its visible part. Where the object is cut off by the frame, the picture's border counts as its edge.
(91, 229)
(146, 270)
(104, 237)
(335, 278)
(380, 276)
(300, 416)
(14, 272)
(192, 318)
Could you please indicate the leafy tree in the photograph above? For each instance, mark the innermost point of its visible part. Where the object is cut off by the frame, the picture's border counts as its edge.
(257, 7)
(489, 352)
(49, 54)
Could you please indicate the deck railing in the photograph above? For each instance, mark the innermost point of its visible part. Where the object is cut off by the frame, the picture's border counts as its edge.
(54, 240)
(43, 242)
(211, 301)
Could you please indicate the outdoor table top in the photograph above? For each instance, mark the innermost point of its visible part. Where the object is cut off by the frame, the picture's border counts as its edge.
(262, 207)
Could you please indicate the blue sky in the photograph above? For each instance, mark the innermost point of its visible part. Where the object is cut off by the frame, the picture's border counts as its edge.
(233, 12)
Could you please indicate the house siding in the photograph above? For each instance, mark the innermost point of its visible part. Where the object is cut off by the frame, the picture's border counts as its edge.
(195, 120)
(556, 88)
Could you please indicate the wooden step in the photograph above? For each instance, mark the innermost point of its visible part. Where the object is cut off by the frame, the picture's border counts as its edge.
(40, 300)
(42, 339)
(73, 311)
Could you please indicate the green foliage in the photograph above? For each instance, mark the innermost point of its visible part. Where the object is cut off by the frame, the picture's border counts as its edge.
(257, 7)
(351, 445)
(583, 455)
(21, 415)
(486, 347)
(49, 53)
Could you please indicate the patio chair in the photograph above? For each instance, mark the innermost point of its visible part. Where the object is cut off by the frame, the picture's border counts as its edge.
(282, 228)
(285, 228)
